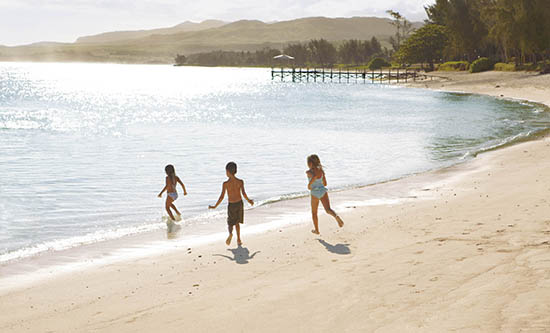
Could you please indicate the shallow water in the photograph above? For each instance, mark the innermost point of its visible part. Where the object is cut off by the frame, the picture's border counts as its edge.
(83, 146)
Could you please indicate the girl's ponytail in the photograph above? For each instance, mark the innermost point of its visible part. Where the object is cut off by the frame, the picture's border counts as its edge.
(171, 172)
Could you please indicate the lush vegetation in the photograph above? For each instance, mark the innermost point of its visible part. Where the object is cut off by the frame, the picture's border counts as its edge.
(403, 29)
(454, 66)
(505, 30)
(503, 67)
(377, 63)
(357, 52)
(481, 65)
(425, 45)
(481, 32)
(262, 57)
(317, 52)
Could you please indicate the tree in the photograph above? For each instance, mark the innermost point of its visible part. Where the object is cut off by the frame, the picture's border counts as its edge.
(520, 27)
(300, 52)
(425, 45)
(180, 59)
(350, 52)
(265, 56)
(498, 29)
(322, 52)
(376, 47)
(463, 19)
(403, 26)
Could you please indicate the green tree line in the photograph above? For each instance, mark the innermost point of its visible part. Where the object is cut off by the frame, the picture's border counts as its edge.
(503, 30)
(317, 52)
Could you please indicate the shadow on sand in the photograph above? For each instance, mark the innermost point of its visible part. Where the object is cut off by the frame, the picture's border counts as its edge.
(341, 249)
(241, 255)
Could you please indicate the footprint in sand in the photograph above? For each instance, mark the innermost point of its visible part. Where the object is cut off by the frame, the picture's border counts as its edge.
(505, 251)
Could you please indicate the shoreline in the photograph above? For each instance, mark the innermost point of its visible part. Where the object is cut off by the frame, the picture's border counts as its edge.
(156, 239)
(392, 264)
(49, 264)
(151, 230)
(518, 86)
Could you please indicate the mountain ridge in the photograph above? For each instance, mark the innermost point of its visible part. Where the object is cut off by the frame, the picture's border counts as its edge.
(113, 36)
(243, 35)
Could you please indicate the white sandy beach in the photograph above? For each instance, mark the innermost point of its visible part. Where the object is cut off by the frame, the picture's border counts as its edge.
(470, 253)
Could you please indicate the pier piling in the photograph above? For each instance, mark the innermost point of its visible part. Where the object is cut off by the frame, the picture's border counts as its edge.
(326, 75)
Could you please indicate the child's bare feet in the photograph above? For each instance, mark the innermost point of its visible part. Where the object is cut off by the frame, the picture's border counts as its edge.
(239, 242)
(340, 222)
(228, 240)
(178, 217)
(315, 232)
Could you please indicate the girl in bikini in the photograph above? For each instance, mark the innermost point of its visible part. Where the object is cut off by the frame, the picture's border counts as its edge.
(317, 185)
(171, 183)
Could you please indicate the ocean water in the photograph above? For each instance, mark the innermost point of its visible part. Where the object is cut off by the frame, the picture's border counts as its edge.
(83, 146)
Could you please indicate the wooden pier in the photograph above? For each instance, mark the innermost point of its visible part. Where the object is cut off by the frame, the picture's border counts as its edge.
(347, 76)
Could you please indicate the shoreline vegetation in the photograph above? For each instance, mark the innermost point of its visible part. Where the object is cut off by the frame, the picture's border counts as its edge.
(474, 234)
(315, 53)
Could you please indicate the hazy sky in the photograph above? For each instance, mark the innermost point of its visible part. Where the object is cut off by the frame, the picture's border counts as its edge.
(28, 21)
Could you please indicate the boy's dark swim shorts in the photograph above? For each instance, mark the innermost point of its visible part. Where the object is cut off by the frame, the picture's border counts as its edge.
(235, 213)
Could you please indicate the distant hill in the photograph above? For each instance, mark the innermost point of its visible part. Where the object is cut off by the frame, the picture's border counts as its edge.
(109, 37)
(305, 29)
(161, 45)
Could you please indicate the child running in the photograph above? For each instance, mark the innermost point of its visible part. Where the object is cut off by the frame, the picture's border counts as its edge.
(235, 209)
(171, 183)
(317, 185)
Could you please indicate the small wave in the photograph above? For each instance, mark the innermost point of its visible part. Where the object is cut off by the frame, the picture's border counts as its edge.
(67, 243)
(283, 197)
(510, 141)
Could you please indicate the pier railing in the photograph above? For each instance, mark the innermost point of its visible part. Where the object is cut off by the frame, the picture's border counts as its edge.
(348, 76)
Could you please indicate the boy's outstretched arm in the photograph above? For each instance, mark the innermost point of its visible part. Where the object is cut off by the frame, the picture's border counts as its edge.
(183, 186)
(222, 195)
(250, 201)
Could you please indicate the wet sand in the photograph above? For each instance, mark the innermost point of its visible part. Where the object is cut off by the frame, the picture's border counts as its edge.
(468, 250)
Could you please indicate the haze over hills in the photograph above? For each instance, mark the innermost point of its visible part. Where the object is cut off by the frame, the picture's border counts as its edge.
(161, 45)
(125, 35)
